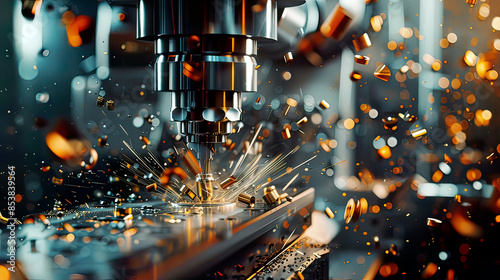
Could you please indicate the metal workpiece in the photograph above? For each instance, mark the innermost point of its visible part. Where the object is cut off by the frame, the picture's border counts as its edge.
(263, 233)
(160, 241)
(303, 258)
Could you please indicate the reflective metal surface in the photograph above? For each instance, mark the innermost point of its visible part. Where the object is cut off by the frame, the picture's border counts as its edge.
(191, 17)
(159, 241)
(207, 63)
(208, 51)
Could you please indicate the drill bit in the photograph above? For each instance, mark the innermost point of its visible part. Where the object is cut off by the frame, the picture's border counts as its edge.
(205, 182)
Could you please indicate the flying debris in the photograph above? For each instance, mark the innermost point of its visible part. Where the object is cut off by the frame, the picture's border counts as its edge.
(382, 72)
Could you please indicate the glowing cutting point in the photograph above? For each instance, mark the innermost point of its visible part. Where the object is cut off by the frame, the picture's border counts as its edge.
(205, 184)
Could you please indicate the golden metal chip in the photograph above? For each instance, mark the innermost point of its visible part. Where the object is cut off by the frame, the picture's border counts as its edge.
(329, 213)
(362, 42)
(364, 205)
(336, 24)
(302, 121)
(246, 199)
(349, 210)
(288, 57)
(361, 59)
(382, 72)
(228, 182)
(355, 76)
(286, 133)
(433, 222)
(323, 104)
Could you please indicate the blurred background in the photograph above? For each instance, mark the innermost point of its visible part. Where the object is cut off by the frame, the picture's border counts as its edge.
(414, 131)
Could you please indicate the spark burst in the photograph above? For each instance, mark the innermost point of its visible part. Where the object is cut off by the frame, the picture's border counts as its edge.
(251, 173)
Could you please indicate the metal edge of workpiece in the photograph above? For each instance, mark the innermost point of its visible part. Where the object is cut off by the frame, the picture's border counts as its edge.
(213, 253)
